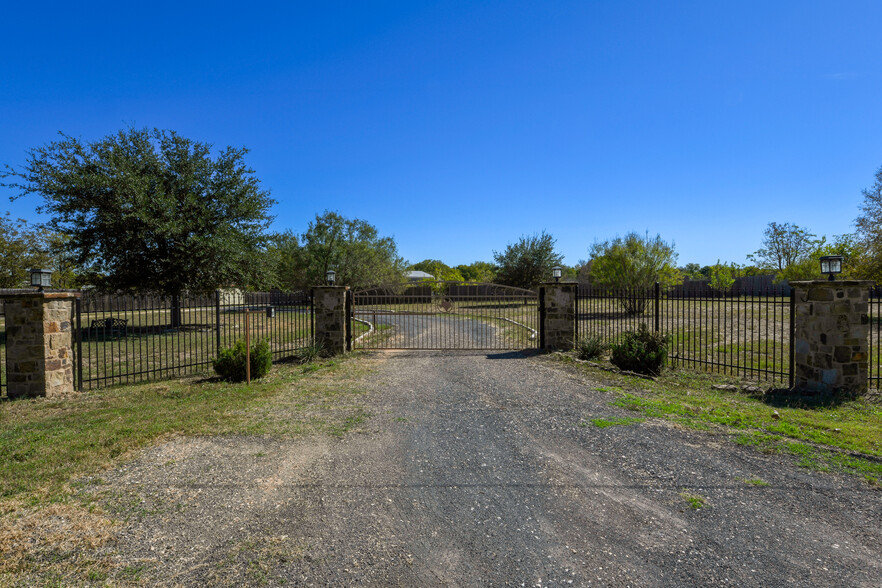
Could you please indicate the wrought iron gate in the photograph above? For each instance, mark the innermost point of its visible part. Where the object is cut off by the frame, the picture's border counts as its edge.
(444, 315)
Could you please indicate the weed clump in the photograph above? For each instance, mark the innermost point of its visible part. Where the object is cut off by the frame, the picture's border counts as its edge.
(590, 347)
(230, 362)
(643, 352)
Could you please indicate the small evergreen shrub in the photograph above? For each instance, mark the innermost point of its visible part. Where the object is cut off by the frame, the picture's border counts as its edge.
(643, 352)
(590, 347)
(230, 362)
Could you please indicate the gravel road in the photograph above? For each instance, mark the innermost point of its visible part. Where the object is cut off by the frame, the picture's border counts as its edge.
(439, 331)
(479, 470)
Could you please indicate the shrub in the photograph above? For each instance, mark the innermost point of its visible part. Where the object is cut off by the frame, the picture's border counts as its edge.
(590, 347)
(643, 352)
(230, 362)
(309, 353)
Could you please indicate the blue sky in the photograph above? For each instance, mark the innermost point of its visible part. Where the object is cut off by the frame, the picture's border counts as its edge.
(457, 127)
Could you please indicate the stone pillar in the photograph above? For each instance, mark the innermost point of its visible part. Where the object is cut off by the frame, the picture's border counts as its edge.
(331, 322)
(39, 356)
(559, 312)
(830, 337)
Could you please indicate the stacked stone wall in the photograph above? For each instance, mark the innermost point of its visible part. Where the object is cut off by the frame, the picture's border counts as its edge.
(39, 354)
(330, 318)
(831, 346)
(560, 315)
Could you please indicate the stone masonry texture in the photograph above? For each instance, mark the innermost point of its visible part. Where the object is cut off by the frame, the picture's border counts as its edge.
(831, 328)
(330, 318)
(560, 315)
(38, 344)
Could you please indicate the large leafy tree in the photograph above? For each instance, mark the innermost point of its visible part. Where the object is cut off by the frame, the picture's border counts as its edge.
(478, 271)
(633, 264)
(788, 250)
(528, 262)
(151, 210)
(869, 232)
(351, 247)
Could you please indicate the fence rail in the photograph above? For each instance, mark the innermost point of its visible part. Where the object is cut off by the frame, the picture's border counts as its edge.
(3, 367)
(127, 339)
(746, 336)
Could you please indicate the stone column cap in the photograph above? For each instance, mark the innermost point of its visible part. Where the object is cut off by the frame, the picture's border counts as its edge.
(558, 284)
(326, 287)
(831, 283)
(46, 295)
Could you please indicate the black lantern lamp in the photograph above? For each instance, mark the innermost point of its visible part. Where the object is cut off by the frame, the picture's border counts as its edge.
(331, 276)
(41, 278)
(831, 265)
(555, 273)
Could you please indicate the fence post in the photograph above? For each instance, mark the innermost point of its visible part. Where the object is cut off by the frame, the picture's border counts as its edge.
(331, 322)
(559, 320)
(830, 337)
(348, 297)
(657, 296)
(38, 343)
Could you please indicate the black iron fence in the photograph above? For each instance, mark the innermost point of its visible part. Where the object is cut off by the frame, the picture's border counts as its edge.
(874, 314)
(2, 353)
(745, 336)
(126, 339)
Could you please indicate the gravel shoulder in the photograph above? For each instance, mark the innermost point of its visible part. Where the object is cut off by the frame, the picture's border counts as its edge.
(484, 469)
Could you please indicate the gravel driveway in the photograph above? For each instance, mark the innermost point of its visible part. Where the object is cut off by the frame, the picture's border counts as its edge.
(477, 470)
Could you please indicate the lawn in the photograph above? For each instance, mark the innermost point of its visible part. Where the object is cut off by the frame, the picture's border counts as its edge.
(844, 436)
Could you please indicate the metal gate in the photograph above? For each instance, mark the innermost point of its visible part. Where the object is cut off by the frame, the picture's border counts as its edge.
(444, 315)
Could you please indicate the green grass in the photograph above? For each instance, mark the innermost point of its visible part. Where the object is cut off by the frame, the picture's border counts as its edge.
(602, 423)
(695, 501)
(845, 436)
(44, 444)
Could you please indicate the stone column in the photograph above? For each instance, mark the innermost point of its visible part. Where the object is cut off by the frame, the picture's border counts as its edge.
(39, 355)
(331, 322)
(830, 337)
(559, 324)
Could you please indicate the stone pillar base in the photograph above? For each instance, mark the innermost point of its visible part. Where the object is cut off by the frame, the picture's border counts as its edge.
(39, 355)
(331, 322)
(559, 322)
(830, 337)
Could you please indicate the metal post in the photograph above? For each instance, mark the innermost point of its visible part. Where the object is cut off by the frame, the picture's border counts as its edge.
(792, 336)
(657, 296)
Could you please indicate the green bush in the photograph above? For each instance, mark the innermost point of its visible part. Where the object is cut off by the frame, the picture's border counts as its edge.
(590, 347)
(643, 352)
(309, 353)
(230, 363)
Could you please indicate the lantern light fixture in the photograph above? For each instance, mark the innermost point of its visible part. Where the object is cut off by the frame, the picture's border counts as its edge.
(555, 273)
(41, 278)
(331, 276)
(831, 265)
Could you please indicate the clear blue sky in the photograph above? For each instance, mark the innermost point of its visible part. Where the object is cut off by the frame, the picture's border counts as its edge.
(457, 127)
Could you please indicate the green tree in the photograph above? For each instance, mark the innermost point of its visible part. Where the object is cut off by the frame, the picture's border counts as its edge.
(151, 211)
(722, 276)
(528, 262)
(788, 250)
(352, 248)
(633, 264)
(439, 270)
(21, 248)
(868, 265)
(478, 271)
